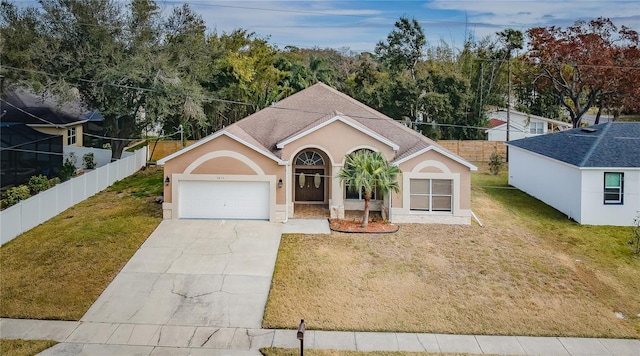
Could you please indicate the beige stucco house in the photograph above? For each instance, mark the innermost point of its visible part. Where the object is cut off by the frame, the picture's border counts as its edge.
(289, 154)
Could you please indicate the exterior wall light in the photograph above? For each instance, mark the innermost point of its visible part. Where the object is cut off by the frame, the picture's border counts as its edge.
(167, 181)
(300, 336)
(279, 183)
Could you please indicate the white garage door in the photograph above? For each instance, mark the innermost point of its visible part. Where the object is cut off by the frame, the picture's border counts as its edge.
(224, 200)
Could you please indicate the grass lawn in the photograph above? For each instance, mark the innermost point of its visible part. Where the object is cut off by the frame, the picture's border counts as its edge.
(528, 271)
(24, 347)
(58, 269)
(274, 351)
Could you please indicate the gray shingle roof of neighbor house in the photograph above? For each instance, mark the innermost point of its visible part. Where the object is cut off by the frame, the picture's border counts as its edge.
(27, 107)
(613, 144)
(315, 105)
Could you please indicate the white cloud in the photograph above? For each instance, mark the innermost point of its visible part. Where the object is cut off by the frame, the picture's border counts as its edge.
(320, 23)
(525, 13)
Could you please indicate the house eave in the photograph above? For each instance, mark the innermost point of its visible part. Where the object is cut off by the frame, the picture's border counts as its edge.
(212, 137)
(582, 168)
(80, 122)
(439, 150)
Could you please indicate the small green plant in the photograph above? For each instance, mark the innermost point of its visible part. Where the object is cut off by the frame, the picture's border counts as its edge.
(68, 167)
(38, 183)
(89, 161)
(495, 163)
(13, 195)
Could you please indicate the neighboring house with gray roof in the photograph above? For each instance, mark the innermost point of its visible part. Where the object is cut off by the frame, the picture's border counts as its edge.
(289, 154)
(591, 174)
(46, 113)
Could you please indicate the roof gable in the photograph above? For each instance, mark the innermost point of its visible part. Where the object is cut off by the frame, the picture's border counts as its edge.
(440, 150)
(613, 144)
(304, 109)
(213, 137)
(343, 119)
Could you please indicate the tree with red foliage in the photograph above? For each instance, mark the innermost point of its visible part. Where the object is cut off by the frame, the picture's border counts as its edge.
(587, 64)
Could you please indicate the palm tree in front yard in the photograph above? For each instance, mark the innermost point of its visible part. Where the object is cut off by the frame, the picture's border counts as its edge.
(365, 171)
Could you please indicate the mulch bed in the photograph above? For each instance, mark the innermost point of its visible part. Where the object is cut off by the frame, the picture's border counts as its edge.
(353, 226)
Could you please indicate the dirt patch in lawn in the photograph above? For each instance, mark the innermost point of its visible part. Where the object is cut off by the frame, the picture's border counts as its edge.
(529, 271)
(355, 226)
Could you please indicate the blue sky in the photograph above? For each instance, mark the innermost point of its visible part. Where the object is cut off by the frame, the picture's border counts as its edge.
(359, 25)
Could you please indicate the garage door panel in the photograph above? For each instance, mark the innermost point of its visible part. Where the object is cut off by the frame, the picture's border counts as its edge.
(224, 200)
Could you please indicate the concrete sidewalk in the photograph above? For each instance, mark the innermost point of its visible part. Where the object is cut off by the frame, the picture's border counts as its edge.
(89, 338)
(306, 226)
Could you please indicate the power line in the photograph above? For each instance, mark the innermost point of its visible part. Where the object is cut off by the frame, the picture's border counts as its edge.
(433, 123)
(112, 138)
(123, 86)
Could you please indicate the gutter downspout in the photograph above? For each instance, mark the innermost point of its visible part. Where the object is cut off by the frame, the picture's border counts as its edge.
(476, 218)
(287, 171)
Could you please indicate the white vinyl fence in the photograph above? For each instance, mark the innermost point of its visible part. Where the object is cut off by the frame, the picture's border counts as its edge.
(41, 207)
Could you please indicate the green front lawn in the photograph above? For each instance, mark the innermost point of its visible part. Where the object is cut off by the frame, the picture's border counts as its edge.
(24, 347)
(59, 268)
(528, 271)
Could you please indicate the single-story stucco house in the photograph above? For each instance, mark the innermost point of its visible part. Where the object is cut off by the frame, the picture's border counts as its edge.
(591, 174)
(289, 154)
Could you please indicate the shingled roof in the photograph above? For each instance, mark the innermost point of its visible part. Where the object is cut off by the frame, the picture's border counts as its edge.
(315, 105)
(23, 106)
(613, 144)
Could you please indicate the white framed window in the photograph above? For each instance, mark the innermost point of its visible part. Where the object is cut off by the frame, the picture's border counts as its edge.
(431, 195)
(309, 158)
(71, 136)
(536, 128)
(613, 187)
(358, 195)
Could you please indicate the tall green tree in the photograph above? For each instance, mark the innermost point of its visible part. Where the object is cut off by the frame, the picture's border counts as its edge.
(531, 98)
(511, 40)
(246, 72)
(366, 171)
(187, 51)
(111, 55)
(404, 46)
(20, 31)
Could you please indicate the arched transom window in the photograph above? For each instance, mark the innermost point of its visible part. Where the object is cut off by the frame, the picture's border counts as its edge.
(309, 158)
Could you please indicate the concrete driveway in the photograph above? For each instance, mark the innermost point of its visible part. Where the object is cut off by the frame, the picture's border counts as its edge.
(195, 273)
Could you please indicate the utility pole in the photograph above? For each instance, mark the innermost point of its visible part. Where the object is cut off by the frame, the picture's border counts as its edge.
(512, 39)
(508, 102)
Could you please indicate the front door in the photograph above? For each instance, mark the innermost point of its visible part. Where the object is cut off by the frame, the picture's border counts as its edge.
(309, 185)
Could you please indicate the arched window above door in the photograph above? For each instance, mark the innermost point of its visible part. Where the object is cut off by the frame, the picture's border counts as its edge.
(309, 158)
